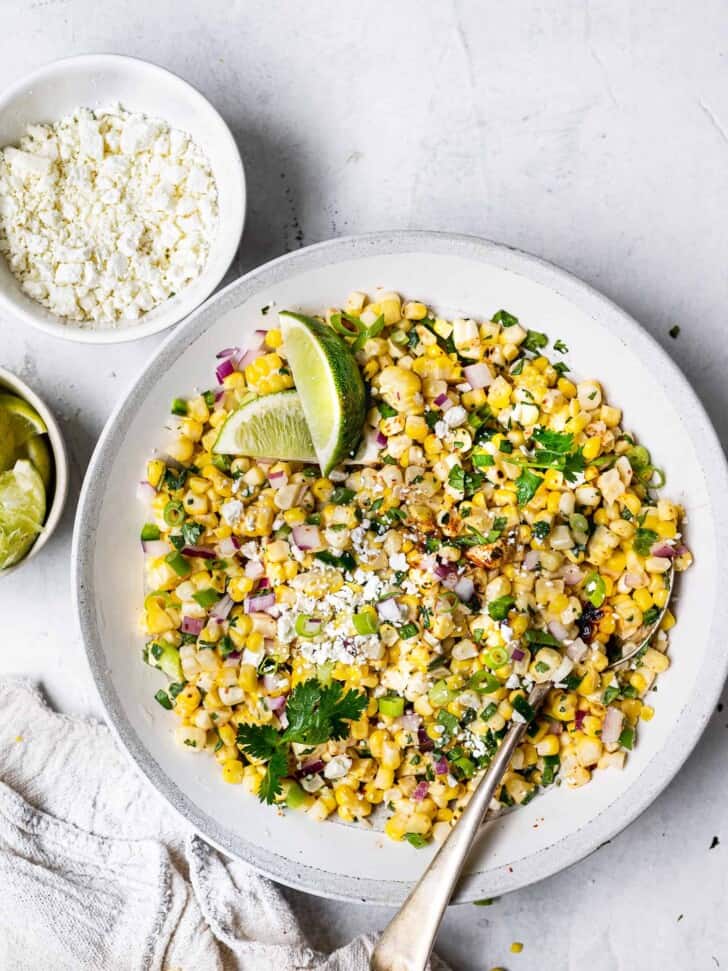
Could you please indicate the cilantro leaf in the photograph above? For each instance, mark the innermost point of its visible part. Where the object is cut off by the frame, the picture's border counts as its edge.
(526, 485)
(498, 609)
(258, 741)
(456, 478)
(535, 341)
(561, 347)
(504, 318)
(553, 441)
(271, 783)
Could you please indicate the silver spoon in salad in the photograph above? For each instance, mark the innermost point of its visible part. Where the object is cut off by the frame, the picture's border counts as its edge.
(407, 941)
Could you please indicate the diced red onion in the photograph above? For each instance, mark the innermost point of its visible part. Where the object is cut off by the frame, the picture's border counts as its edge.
(232, 660)
(263, 583)
(203, 552)
(261, 333)
(250, 356)
(254, 569)
(278, 478)
(612, 727)
(275, 704)
(420, 791)
(441, 399)
(531, 560)
(192, 625)
(441, 766)
(571, 574)
(464, 588)
(222, 608)
(410, 723)
(663, 549)
(218, 395)
(478, 375)
(227, 352)
(146, 492)
(306, 537)
(389, 610)
(443, 570)
(558, 630)
(632, 581)
(517, 654)
(451, 580)
(577, 650)
(381, 439)
(224, 369)
(228, 546)
(310, 768)
(261, 603)
(283, 719)
(579, 719)
(424, 742)
(155, 547)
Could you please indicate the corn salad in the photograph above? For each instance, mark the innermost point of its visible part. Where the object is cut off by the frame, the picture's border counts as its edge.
(503, 532)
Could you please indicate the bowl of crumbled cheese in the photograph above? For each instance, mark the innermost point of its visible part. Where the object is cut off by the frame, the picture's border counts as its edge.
(122, 198)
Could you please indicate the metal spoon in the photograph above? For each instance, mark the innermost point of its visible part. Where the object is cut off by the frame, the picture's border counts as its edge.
(407, 941)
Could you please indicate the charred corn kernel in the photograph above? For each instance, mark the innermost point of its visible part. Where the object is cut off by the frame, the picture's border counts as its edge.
(187, 700)
(232, 771)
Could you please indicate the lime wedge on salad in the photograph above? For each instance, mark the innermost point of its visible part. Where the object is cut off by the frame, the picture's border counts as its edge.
(22, 510)
(24, 419)
(329, 384)
(272, 426)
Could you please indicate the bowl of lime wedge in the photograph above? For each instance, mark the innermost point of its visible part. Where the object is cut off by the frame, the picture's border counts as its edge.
(33, 473)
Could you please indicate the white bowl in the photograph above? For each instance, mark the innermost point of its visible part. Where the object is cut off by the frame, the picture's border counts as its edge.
(57, 500)
(457, 275)
(100, 81)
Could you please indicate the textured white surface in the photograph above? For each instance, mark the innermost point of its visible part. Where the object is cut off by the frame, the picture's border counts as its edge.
(592, 134)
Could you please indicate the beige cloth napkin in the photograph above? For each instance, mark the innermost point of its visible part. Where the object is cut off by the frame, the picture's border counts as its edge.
(98, 874)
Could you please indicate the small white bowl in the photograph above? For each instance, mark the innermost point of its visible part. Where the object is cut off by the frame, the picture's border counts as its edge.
(99, 81)
(57, 500)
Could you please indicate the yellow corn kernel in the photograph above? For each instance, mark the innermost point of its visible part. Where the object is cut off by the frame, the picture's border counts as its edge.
(668, 620)
(188, 700)
(592, 447)
(656, 661)
(660, 597)
(239, 588)
(181, 450)
(273, 339)
(396, 826)
(155, 471)
(248, 678)
(232, 771)
(642, 598)
(516, 947)
(638, 682)
(414, 311)
(295, 516)
(549, 745)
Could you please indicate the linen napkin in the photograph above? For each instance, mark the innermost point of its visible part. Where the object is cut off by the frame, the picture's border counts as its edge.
(98, 874)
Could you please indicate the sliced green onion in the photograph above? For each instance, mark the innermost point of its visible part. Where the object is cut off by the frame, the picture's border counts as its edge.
(391, 705)
(626, 739)
(174, 513)
(179, 407)
(416, 840)
(639, 457)
(366, 621)
(408, 630)
(447, 602)
(496, 657)
(399, 338)
(439, 694)
(596, 589)
(579, 523)
(484, 682)
(341, 496)
(295, 796)
(150, 531)
(163, 698)
(307, 626)
(179, 563)
(206, 598)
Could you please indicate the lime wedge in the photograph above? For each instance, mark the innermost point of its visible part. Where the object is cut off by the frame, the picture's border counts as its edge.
(37, 451)
(7, 441)
(25, 420)
(330, 385)
(272, 426)
(22, 510)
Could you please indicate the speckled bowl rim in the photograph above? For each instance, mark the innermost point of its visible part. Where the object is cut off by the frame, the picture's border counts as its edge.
(696, 711)
(166, 314)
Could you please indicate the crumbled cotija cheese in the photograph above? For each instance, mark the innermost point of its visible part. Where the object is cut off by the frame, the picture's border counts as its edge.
(105, 215)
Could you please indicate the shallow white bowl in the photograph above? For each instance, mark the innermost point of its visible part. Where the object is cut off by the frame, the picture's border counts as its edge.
(100, 81)
(457, 275)
(57, 499)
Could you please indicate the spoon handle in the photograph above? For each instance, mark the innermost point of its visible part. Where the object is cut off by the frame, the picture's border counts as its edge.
(407, 941)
